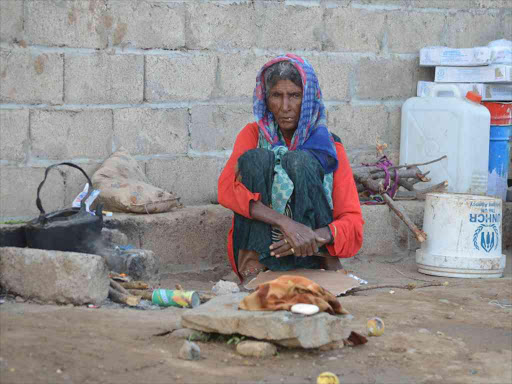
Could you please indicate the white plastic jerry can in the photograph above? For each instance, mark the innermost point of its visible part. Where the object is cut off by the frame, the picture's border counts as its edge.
(446, 123)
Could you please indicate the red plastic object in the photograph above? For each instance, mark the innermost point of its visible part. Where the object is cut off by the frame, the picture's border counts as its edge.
(473, 96)
(501, 113)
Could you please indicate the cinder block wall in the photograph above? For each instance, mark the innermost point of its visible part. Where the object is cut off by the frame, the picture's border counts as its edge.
(172, 80)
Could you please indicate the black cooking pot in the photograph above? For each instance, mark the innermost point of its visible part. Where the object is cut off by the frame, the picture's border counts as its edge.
(71, 230)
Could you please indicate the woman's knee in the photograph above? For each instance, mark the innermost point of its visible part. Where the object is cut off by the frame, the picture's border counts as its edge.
(296, 162)
(253, 159)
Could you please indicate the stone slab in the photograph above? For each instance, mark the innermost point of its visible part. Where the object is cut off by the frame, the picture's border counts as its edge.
(221, 315)
(54, 276)
(186, 240)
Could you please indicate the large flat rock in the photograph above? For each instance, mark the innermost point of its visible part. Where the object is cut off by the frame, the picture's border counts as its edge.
(221, 315)
(54, 276)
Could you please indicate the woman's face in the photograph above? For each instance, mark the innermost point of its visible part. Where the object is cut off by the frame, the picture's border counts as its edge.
(284, 101)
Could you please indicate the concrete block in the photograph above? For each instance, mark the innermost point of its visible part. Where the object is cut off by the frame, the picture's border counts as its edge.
(395, 124)
(80, 24)
(389, 78)
(190, 77)
(353, 30)
(144, 131)
(360, 156)
(215, 127)
(299, 27)
(18, 192)
(63, 135)
(359, 126)
(333, 74)
(470, 29)
(214, 26)
(237, 74)
(148, 24)
(194, 179)
(11, 21)
(75, 180)
(185, 240)
(31, 77)
(103, 79)
(408, 32)
(14, 139)
(54, 276)
(385, 234)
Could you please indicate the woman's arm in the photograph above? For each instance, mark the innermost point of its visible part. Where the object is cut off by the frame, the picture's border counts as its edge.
(347, 227)
(232, 194)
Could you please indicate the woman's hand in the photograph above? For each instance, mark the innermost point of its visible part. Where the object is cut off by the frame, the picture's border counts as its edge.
(298, 240)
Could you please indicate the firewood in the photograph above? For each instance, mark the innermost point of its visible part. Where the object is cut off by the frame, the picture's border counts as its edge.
(115, 285)
(135, 285)
(399, 211)
(143, 294)
(121, 298)
(420, 194)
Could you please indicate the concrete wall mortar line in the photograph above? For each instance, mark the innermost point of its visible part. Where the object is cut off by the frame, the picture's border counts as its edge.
(38, 49)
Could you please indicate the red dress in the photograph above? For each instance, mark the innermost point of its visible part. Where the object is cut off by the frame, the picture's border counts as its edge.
(347, 227)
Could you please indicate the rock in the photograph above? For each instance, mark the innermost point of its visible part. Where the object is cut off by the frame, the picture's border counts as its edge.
(221, 315)
(189, 351)
(256, 348)
(140, 264)
(450, 315)
(225, 288)
(19, 299)
(54, 276)
(424, 330)
(113, 237)
(189, 334)
(444, 301)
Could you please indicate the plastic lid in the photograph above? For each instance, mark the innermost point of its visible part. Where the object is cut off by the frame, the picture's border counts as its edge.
(473, 96)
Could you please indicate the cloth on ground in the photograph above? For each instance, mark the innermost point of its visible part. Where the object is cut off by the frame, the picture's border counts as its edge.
(285, 291)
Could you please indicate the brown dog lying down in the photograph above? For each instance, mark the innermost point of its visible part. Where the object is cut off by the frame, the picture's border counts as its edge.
(285, 291)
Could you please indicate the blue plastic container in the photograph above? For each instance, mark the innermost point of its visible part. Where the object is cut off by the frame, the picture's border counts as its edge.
(499, 160)
(499, 148)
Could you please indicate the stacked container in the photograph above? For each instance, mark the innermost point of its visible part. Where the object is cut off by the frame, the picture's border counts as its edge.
(448, 123)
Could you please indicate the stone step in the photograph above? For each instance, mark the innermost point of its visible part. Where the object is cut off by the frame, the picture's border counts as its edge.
(193, 239)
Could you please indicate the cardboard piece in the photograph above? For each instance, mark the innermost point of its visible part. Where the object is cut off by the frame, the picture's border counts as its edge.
(336, 282)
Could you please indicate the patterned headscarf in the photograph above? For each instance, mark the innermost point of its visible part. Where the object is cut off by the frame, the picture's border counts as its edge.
(311, 134)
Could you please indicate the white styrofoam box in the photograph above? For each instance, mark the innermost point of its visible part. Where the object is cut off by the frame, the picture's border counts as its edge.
(497, 92)
(489, 92)
(501, 51)
(462, 57)
(498, 73)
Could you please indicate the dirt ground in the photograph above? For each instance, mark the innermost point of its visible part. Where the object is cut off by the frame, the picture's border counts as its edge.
(459, 333)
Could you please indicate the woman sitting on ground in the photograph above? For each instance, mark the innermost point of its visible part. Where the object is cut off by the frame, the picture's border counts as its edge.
(288, 180)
